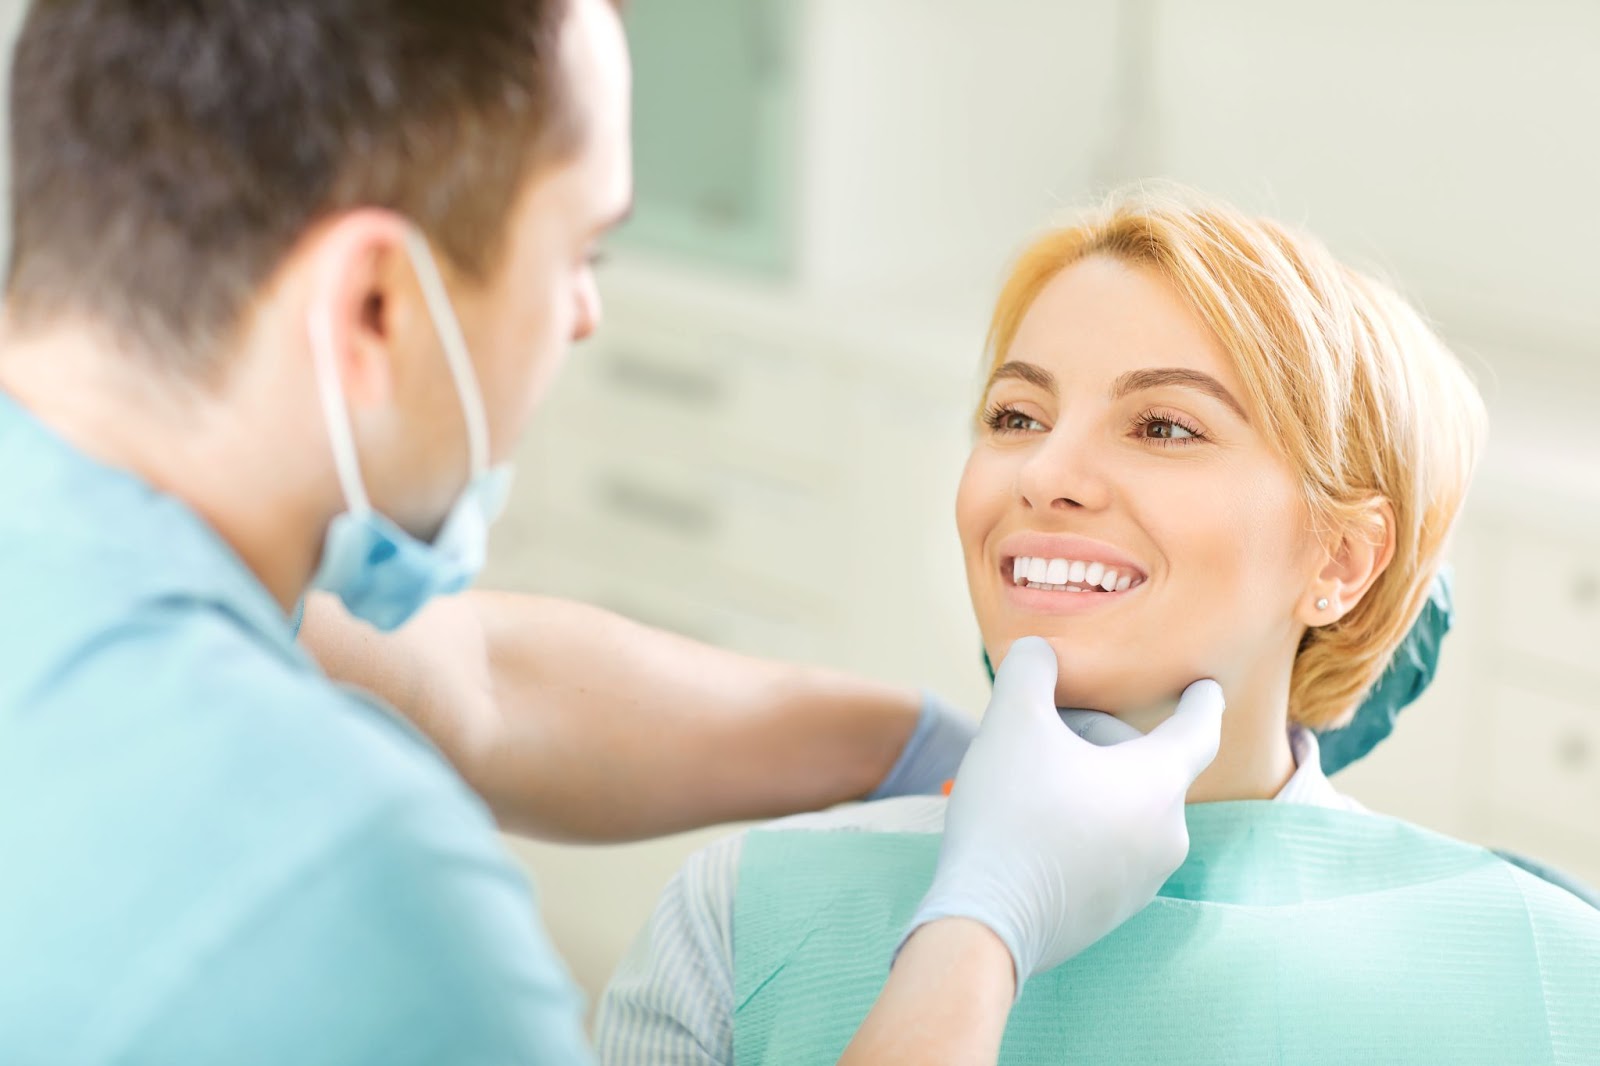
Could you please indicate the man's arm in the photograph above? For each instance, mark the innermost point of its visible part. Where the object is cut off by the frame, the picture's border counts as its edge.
(947, 1000)
(575, 723)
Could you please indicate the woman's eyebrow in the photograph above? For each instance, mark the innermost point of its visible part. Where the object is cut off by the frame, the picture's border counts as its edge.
(1033, 375)
(1139, 380)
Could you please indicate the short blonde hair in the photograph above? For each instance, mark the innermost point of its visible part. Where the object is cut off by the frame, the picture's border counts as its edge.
(1347, 381)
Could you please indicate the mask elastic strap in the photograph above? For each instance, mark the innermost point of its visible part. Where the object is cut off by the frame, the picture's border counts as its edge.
(455, 349)
(336, 416)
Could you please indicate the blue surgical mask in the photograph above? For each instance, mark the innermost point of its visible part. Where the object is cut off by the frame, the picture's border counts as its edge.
(383, 574)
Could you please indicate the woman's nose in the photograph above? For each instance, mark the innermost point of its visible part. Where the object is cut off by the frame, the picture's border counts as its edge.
(1064, 472)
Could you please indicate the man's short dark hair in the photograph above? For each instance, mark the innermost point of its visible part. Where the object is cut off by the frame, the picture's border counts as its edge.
(168, 154)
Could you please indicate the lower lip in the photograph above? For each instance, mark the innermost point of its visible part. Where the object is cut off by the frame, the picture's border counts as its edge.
(1046, 601)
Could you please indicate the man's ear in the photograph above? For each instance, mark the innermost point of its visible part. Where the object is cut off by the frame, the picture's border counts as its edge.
(358, 267)
(1356, 556)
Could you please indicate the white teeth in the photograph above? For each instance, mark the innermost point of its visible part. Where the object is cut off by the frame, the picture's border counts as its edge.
(1066, 575)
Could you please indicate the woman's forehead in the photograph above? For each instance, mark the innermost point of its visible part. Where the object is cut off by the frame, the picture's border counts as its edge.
(1102, 317)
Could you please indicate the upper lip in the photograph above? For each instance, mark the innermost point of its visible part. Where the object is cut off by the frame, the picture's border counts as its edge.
(1078, 549)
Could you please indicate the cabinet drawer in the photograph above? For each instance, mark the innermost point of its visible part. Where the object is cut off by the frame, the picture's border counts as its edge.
(776, 628)
(712, 517)
(1545, 759)
(712, 387)
(1550, 598)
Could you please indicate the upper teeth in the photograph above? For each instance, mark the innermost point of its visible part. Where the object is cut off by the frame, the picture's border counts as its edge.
(1071, 575)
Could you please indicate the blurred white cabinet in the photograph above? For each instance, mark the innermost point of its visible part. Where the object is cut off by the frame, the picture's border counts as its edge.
(1455, 137)
(763, 474)
(841, 144)
(1505, 748)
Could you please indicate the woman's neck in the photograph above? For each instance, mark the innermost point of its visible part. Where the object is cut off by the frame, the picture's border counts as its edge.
(1255, 760)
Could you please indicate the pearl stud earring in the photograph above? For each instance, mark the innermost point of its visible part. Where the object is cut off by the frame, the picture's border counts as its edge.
(1322, 604)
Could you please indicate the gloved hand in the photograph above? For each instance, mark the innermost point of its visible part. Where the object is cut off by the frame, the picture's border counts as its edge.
(934, 752)
(1098, 728)
(1051, 841)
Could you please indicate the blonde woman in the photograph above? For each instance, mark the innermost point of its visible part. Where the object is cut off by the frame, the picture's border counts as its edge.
(1205, 449)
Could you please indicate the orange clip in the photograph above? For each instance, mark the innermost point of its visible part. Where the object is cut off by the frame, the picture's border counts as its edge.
(949, 786)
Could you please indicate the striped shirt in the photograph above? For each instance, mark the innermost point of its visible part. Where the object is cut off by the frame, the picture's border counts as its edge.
(670, 1003)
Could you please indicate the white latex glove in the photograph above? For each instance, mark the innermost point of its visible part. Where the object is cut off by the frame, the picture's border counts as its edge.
(1051, 841)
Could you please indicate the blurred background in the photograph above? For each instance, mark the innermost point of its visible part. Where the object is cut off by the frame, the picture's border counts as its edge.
(761, 446)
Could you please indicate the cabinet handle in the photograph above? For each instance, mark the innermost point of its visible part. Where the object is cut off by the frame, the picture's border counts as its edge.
(644, 503)
(1574, 752)
(688, 388)
(766, 41)
(1586, 590)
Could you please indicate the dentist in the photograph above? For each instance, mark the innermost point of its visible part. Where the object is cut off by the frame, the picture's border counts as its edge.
(287, 283)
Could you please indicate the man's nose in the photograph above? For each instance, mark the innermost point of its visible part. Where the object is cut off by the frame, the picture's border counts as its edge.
(587, 318)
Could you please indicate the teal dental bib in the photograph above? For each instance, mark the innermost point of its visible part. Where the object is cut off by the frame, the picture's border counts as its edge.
(1292, 934)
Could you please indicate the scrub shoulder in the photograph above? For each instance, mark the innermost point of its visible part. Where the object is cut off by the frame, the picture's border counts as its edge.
(223, 858)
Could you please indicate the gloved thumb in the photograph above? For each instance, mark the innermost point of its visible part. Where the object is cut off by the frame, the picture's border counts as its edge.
(1190, 738)
(1098, 728)
(1026, 680)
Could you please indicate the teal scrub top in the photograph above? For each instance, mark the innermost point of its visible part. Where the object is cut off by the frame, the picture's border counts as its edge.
(208, 852)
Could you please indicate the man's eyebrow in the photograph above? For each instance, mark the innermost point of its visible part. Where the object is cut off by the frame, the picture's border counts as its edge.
(1033, 375)
(1139, 380)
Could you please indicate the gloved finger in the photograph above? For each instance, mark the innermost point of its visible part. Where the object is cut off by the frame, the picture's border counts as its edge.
(1026, 680)
(1098, 728)
(1190, 738)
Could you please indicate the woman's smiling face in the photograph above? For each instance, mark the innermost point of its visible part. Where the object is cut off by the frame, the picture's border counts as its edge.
(1116, 437)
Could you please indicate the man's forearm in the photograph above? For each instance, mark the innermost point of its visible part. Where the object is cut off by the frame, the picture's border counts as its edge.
(575, 723)
(946, 1002)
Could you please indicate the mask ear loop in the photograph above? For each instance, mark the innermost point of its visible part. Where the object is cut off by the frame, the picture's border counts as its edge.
(336, 414)
(448, 328)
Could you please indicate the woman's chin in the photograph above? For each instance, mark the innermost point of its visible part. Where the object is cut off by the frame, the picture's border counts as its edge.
(1139, 706)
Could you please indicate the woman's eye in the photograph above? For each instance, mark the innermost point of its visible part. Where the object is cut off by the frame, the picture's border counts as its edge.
(1010, 420)
(1020, 422)
(1166, 430)
(1161, 429)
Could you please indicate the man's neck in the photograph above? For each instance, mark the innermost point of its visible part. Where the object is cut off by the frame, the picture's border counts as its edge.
(215, 451)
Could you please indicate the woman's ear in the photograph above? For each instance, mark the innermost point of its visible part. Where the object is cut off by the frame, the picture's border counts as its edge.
(1362, 550)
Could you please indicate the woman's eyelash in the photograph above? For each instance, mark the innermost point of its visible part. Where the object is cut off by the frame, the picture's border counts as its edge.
(995, 418)
(1153, 417)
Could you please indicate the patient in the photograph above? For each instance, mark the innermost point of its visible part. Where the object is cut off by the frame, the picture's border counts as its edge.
(1205, 449)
